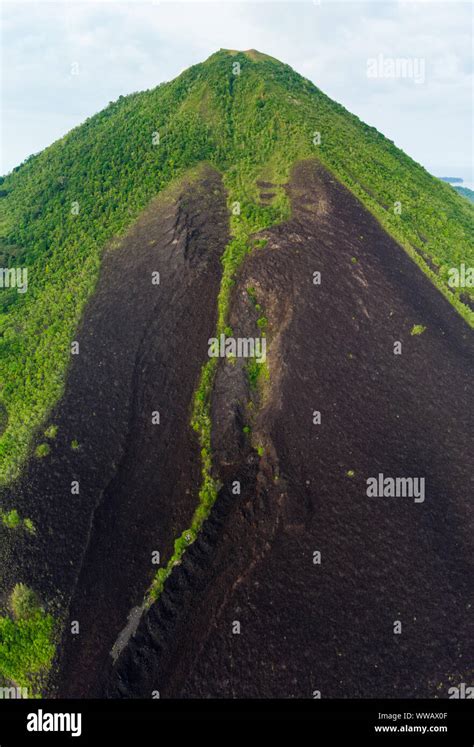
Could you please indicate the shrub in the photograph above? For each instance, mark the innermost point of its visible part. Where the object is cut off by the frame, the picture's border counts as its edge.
(42, 450)
(29, 526)
(11, 519)
(24, 602)
(26, 649)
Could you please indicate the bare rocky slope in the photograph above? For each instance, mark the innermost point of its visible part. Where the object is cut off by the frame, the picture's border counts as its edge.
(327, 627)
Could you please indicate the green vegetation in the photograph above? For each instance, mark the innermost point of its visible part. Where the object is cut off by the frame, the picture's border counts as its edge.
(29, 526)
(61, 207)
(350, 473)
(74, 445)
(252, 294)
(51, 431)
(42, 450)
(417, 329)
(257, 373)
(26, 641)
(12, 520)
(3, 417)
(253, 369)
(23, 602)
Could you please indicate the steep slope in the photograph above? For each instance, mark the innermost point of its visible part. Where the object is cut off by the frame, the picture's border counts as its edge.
(248, 115)
(219, 144)
(327, 626)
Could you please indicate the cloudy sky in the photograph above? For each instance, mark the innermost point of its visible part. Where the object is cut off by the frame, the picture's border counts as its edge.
(118, 47)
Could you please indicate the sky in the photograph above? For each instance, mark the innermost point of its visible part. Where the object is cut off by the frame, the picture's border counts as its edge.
(63, 61)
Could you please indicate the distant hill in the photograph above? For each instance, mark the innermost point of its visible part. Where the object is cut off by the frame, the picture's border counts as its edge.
(465, 192)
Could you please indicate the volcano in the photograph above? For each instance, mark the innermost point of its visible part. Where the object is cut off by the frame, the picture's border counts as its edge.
(192, 523)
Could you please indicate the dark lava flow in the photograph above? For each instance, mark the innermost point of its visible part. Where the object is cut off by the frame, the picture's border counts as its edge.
(328, 627)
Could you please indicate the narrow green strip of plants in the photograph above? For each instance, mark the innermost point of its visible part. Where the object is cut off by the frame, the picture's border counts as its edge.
(252, 218)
